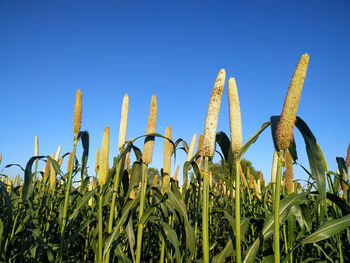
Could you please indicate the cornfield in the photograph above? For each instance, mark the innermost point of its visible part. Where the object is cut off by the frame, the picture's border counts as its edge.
(122, 213)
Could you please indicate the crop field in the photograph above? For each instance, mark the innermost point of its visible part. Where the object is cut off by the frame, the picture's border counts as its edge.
(122, 212)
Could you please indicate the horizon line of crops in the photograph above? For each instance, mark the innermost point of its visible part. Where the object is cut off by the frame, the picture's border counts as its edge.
(122, 214)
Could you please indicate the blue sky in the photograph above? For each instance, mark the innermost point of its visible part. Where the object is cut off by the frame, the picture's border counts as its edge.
(173, 49)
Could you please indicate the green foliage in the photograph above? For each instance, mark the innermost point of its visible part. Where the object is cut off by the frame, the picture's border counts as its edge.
(31, 214)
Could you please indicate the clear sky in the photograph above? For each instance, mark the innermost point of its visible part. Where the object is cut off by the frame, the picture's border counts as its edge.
(173, 49)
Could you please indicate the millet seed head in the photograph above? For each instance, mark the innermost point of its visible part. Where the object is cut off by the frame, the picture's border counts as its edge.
(151, 128)
(348, 157)
(235, 117)
(36, 146)
(168, 149)
(191, 148)
(213, 115)
(284, 133)
(103, 169)
(77, 113)
(123, 121)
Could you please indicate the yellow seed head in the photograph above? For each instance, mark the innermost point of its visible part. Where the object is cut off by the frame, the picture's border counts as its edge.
(210, 179)
(191, 148)
(257, 187)
(47, 170)
(103, 170)
(344, 184)
(151, 128)
(77, 113)
(235, 116)
(123, 121)
(168, 150)
(213, 115)
(57, 156)
(176, 176)
(155, 180)
(97, 160)
(348, 157)
(289, 172)
(251, 178)
(9, 184)
(274, 167)
(127, 161)
(36, 146)
(91, 186)
(0, 157)
(60, 161)
(52, 178)
(199, 148)
(260, 176)
(284, 132)
(234, 190)
(70, 162)
(245, 183)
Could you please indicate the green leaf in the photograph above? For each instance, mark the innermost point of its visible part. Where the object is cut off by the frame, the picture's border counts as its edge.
(316, 161)
(252, 139)
(225, 145)
(341, 203)
(28, 177)
(267, 230)
(124, 215)
(285, 204)
(328, 230)
(226, 252)
(85, 142)
(81, 204)
(170, 234)
(146, 215)
(175, 199)
(131, 237)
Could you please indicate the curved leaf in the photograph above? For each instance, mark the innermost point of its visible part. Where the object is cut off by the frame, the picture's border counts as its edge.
(170, 234)
(328, 230)
(226, 252)
(285, 204)
(252, 139)
(316, 161)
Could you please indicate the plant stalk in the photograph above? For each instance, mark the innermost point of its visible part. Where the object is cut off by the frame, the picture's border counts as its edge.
(276, 240)
(205, 216)
(66, 199)
(142, 203)
(238, 212)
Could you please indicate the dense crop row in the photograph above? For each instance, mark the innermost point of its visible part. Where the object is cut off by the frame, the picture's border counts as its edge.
(124, 213)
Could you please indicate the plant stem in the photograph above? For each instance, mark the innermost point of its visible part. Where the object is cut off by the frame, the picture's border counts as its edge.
(114, 197)
(100, 229)
(142, 203)
(238, 212)
(205, 215)
(66, 199)
(276, 240)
